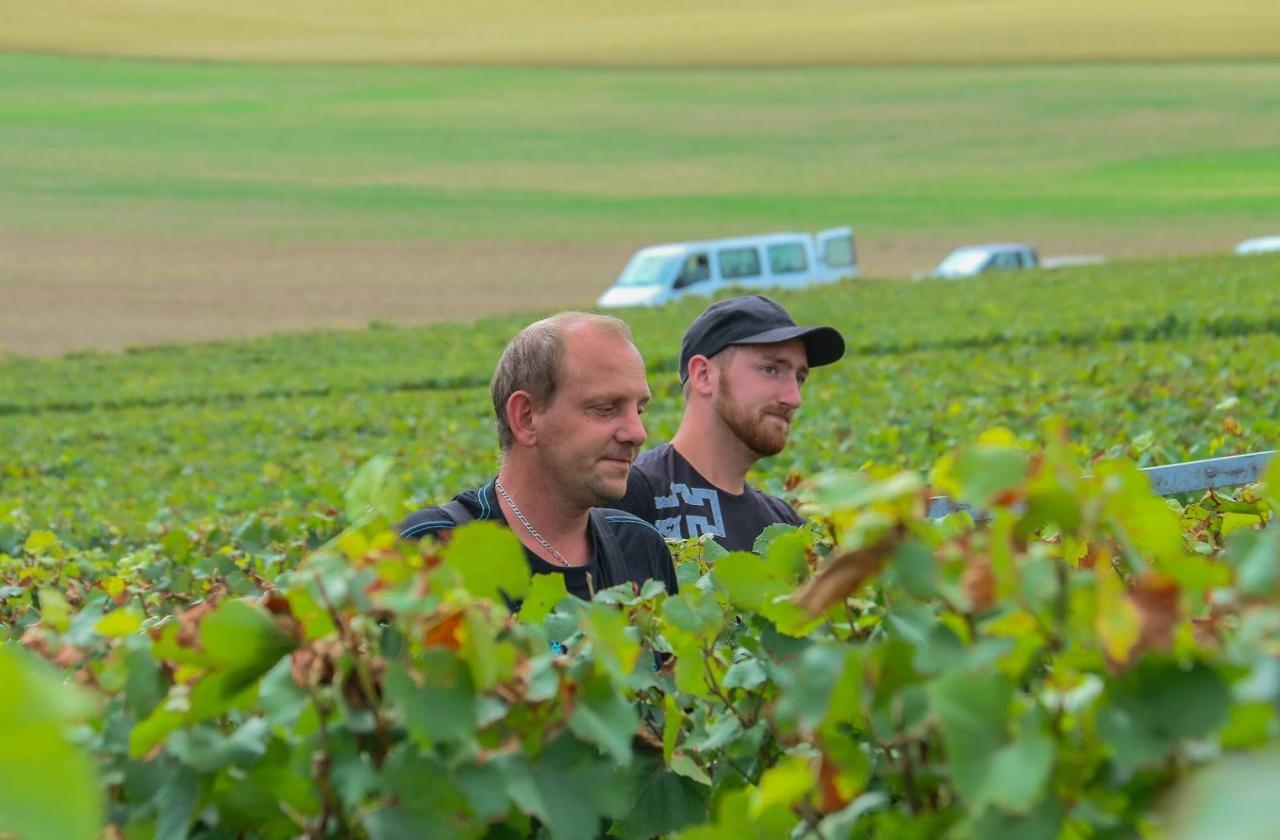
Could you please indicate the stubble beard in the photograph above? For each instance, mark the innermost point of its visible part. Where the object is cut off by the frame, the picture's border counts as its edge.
(585, 486)
(755, 431)
(597, 493)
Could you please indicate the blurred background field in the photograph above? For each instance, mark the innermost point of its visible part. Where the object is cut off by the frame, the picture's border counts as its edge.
(653, 33)
(149, 201)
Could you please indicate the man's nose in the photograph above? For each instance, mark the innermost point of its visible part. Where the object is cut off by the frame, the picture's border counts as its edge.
(790, 396)
(632, 430)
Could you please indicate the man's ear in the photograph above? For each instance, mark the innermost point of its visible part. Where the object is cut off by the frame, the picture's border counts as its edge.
(701, 376)
(520, 418)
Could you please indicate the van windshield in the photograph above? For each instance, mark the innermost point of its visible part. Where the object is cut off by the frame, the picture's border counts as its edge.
(647, 270)
(962, 261)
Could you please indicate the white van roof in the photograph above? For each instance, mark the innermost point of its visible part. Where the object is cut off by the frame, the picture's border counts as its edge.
(735, 241)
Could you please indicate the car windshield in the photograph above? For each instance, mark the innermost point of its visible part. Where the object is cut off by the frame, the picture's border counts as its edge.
(963, 261)
(646, 270)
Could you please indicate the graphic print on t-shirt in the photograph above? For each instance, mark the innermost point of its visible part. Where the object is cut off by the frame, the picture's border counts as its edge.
(682, 496)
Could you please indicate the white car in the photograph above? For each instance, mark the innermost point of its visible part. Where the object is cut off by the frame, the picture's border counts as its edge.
(661, 273)
(1259, 245)
(975, 259)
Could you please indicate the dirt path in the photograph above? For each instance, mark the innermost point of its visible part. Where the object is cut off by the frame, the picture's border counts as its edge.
(66, 293)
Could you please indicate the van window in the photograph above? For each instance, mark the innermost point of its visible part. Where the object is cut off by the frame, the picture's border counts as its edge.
(787, 258)
(739, 262)
(648, 270)
(837, 252)
(697, 267)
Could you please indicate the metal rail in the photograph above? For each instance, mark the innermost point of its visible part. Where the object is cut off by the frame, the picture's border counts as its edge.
(1170, 480)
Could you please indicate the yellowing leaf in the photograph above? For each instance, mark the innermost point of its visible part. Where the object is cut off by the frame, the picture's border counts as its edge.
(1118, 621)
(118, 623)
(354, 545)
(786, 782)
(38, 542)
(54, 609)
(998, 436)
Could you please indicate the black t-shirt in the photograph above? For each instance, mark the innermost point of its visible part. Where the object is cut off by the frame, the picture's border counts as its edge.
(665, 489)
(643, 553)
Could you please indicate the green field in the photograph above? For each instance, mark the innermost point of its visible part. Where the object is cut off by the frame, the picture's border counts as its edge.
(149, 201)
(1166, 360)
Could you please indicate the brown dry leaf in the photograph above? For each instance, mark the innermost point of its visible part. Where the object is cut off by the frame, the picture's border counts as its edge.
(189, 624)
(1009, 498)
(839, 578)
(510, 693)
(831, 800)
(315, 666)
(1231, 426)
(68, 656)
(444, 632)
(979, 583)
(1156, 597)
(276, 603)
(33, 638)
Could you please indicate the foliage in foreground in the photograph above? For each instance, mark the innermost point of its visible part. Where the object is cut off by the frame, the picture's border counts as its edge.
(1070, 667)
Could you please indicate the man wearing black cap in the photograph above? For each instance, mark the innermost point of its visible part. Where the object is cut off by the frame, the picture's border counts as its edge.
(742, 364)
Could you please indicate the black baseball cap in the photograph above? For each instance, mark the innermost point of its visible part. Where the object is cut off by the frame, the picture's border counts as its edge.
(754, 319)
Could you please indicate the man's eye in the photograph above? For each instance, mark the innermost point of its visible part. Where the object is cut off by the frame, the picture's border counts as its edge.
(603, 410)
(769, 370)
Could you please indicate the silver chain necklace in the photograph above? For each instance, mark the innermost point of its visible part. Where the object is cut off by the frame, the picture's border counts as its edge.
(533, 532)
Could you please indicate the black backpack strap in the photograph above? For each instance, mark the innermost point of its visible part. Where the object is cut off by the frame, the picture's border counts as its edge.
(457, 511)
(612, 566)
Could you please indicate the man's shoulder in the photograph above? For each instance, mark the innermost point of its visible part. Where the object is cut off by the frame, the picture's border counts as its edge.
(425, 522)
(466, 506)
(655, 462)
(629, 526)
(776, 506)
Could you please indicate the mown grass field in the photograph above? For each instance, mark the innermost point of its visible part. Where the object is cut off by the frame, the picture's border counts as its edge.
(656, 33)
(148, 201)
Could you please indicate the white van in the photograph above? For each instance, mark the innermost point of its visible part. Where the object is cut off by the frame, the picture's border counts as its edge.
(1259, 245)
(662, 273)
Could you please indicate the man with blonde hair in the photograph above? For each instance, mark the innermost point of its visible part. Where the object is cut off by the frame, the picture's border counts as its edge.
(742, 364)
(567, 393)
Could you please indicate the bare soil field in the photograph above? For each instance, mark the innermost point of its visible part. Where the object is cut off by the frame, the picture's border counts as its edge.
(111, 293)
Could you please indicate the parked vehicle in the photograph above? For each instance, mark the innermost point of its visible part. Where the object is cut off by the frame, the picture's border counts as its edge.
(1259, 245)
(975, 259)
(1003, 256)
(662, 273)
